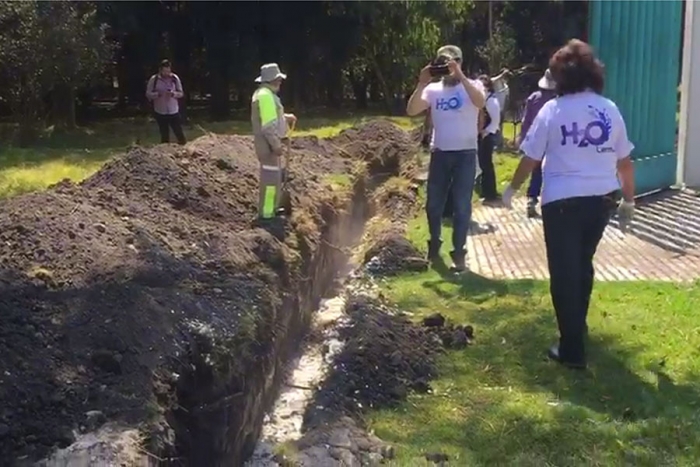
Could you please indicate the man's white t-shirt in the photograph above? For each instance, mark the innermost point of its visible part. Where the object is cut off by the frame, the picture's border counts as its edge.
(581, 137)
(454, 116)
(501, 90)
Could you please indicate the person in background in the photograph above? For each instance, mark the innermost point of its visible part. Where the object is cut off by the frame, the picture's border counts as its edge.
(270, 126)
(533, 105)
(502, 92)
(583, 139)
(489, 128)
(454, 104)
(164, 89)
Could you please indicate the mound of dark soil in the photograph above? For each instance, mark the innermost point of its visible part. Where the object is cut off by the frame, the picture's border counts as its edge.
(384, 146)
(385, 356)
(102, 284)
(391, 253)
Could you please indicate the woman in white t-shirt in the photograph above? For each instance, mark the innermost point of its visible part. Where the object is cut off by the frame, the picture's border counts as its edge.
(581, 139)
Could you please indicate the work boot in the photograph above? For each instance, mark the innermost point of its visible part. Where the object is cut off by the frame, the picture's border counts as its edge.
(459, 261)
(532, 208)
(434, 250)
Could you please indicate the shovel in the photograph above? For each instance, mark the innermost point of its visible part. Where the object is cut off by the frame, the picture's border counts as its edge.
(286, 202)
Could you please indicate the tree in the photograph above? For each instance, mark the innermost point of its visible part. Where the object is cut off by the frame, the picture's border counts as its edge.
(500, 50)
(48, 49)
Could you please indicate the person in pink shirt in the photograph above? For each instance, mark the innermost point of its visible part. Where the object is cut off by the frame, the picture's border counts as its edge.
(164, 89)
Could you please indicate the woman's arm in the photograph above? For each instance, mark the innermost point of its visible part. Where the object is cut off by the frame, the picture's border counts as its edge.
(179, 92)
(625, 172)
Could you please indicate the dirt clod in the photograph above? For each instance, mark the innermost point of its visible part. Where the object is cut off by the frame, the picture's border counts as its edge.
(436, 320)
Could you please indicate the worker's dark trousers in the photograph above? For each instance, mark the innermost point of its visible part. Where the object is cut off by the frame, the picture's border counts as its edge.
(165, 122)
(270, 192)
(572, 230)
(535, 187)
(451, 172)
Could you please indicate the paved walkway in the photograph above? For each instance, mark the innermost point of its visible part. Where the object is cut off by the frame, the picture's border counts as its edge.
(664, 243)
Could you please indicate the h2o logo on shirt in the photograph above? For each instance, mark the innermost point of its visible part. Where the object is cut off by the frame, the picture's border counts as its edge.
(596, 133)
(446, 104)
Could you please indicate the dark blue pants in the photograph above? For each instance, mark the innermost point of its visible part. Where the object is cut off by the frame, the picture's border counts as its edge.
(572, 230)
(455, 171)
(535, 187)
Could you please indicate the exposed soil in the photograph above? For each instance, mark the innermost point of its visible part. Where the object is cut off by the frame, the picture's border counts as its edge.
(391, 253)
(385, 356)
(148, 288)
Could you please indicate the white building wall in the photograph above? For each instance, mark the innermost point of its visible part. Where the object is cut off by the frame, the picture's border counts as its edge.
(689, 125)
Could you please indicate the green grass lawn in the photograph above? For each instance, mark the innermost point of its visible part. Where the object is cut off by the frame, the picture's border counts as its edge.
(501, 403)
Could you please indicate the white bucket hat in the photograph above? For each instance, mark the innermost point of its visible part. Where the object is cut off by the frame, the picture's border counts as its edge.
(547, 82)
(270, 72)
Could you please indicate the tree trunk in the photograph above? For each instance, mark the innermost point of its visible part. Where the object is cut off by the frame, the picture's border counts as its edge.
(63, 106)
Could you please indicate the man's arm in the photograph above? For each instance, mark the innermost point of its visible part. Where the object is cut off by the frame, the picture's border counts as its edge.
(494, 110)
(418, 102)
(267, 113)
(476, 94)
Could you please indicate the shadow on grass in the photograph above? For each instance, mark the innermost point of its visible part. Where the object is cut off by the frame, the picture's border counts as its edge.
(513, 406)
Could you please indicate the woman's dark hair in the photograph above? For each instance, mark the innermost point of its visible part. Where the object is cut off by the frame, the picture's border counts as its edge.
(164, 64)
(487, 82)
(575, 68)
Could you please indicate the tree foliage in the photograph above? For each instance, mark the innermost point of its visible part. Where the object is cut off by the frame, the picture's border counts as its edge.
(53, 54)
(48, 49)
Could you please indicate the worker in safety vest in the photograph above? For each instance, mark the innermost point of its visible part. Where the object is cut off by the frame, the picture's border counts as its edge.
(270, 126)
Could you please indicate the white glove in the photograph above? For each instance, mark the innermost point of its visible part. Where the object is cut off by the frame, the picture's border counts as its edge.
(507, 197)
(625, 213)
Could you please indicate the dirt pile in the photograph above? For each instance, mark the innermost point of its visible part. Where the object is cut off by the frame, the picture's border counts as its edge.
(112, 290)
(385, 356)
(392, 253)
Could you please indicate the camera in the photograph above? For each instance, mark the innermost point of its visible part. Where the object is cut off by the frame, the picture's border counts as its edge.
(438, 67)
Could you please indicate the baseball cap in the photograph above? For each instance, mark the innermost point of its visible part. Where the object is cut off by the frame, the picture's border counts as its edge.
(451, 51)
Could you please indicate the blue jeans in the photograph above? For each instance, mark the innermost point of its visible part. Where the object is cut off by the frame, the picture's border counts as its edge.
(453, 170)
(535, 187)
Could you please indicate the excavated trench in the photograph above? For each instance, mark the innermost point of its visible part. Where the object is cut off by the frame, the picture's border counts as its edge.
(225, 431)
(146, 321)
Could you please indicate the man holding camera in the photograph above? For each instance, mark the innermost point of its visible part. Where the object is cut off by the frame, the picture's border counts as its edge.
(454, 104)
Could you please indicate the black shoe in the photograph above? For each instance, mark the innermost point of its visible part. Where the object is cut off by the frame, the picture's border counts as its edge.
(459, 261)
(553, 354)
(434, 250)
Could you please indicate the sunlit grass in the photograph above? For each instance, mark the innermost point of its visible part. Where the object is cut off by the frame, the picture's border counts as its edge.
(500, 402)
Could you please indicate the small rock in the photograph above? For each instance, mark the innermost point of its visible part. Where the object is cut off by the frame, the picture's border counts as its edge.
(94, 419)
(100, 227)
(217, 291)
(223, 164)
(436, 320)
(4, 430)
(71, 235)
(388, 452)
